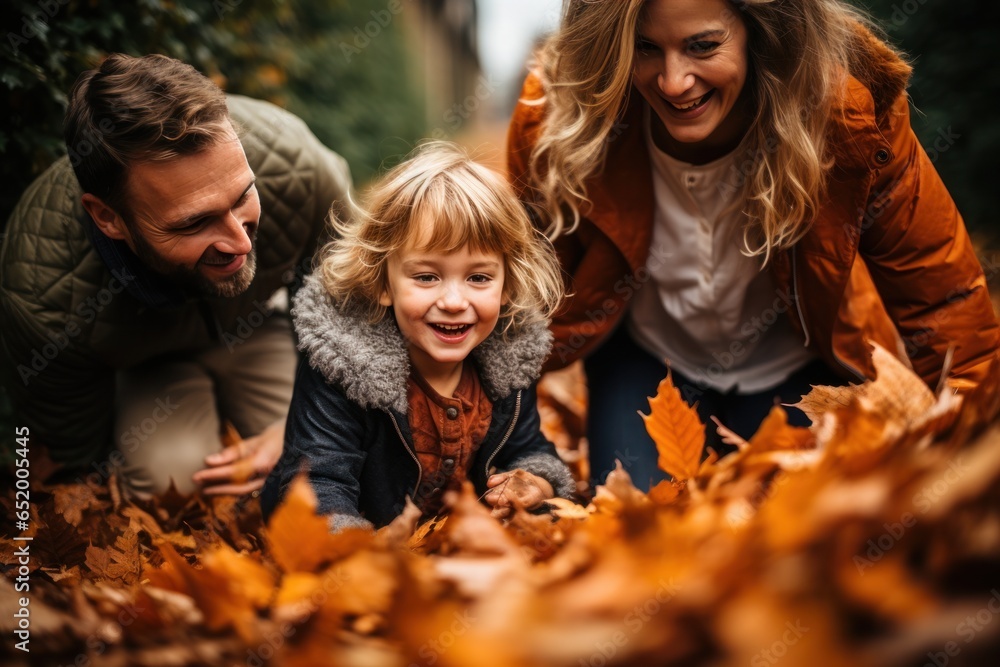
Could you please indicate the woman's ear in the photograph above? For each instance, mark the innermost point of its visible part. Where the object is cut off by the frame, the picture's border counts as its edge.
(385, 299)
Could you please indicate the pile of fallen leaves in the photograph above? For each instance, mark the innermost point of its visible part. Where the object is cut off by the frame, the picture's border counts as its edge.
(872, 538)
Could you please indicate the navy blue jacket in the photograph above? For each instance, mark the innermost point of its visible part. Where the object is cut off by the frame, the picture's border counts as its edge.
(347, 424)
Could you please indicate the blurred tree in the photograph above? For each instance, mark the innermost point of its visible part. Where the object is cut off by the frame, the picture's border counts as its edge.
(954, 88)
(342, 65)
(358, 100)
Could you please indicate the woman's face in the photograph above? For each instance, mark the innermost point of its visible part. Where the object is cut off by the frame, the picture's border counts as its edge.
(691, 68)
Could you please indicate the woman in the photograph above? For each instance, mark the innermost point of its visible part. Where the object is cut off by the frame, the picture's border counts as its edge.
(734, 188)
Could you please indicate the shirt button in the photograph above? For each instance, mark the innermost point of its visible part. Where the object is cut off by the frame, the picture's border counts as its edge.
(451, 413)
(448, 464)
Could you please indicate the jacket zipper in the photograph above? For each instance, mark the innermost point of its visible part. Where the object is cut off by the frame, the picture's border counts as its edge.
(506, 436)
(802, 320)
(798, 303)
(406, 445)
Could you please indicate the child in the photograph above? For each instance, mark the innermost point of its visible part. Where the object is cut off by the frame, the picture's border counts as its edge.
(425, 327)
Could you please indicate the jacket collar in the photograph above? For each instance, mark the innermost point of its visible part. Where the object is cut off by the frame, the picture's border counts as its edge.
(369, 361)
(147, 287)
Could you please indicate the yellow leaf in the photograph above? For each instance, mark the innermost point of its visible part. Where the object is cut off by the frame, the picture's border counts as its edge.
(675, 428)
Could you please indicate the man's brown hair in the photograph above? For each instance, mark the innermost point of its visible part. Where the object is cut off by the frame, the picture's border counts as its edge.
(137, 109)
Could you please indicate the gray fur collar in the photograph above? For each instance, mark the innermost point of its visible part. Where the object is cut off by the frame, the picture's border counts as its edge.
(369, 361)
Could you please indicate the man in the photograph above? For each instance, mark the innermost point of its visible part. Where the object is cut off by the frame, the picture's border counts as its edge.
(142, 278)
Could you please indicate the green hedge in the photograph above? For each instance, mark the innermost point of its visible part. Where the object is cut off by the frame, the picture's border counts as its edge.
(954, 88)
(301, 54)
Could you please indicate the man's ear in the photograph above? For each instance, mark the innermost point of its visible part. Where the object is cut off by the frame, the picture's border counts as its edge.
(106, 218)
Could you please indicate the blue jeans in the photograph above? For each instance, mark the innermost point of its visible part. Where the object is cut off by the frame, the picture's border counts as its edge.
(620, 377)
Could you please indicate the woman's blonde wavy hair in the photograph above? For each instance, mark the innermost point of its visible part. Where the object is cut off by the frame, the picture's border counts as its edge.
(799, 52)
(465, 204)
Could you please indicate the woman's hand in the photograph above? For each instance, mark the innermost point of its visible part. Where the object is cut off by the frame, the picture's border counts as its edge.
(242, 468)
(516, 489)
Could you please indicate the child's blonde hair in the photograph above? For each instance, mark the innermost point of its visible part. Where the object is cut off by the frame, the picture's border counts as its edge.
(466, 204)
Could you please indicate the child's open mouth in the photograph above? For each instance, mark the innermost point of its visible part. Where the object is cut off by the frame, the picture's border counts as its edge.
(451, 329)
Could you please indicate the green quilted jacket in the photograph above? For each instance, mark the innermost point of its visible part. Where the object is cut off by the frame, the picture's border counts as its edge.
(69, 322)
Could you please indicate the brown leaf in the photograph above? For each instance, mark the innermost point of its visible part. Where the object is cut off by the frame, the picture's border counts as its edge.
(675, 428)
(56, 542)
(120, 561)
(71, 500)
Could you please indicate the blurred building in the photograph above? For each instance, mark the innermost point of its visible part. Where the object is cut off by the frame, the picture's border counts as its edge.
(443, 37)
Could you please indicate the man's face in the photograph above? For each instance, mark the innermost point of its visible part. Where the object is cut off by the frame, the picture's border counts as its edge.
(194, 218)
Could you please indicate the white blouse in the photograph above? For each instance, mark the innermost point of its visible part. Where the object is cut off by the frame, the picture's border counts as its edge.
(705, 307)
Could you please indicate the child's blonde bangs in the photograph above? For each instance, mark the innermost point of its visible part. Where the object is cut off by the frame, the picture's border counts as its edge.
(441, 201)
(460, 209)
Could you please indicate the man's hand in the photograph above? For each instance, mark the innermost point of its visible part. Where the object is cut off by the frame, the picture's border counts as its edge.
(516, 489)
(242, 468)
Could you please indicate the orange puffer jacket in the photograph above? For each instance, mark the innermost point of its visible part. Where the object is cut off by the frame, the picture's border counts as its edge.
(887, 259)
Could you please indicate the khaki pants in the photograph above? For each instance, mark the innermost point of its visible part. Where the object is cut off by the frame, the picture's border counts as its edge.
(171, 409)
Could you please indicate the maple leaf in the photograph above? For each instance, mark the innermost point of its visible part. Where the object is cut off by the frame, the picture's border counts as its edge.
(897, 392)
(56, 541)
(72, 499)
(675, 428)
(299, 540)
(120, 561)
(822, 399)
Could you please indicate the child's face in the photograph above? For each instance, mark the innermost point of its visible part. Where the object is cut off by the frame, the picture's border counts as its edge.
(445, 305)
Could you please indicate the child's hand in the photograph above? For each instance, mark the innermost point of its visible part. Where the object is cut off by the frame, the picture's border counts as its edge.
(516, 489)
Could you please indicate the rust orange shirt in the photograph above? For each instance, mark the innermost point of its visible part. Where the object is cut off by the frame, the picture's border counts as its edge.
(447, 432)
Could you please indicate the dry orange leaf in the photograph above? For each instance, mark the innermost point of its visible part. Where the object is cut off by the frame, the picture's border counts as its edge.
(300, 540)
(221, 597)
(675, 428)
(897, 392)
(824, 399)
(774, 434)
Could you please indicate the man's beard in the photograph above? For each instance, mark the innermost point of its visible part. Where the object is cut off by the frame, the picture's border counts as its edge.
(192, 279)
